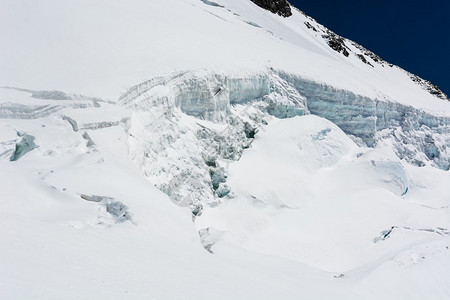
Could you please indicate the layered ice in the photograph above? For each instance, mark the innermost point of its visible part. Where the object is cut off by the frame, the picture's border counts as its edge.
(11, 110)
(244, 104)
(182, 121)
(210, 96)
(359, 115)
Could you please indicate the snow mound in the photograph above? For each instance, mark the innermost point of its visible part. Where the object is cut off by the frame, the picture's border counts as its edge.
(286, 151)
(306, 192)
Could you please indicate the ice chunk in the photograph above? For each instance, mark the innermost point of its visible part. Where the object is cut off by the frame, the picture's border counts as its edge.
(72, 123)
(116, 209)
(95, 198)
(217, 176)
(23, 147)
(384, 235)
(223, 190)
(321, 134)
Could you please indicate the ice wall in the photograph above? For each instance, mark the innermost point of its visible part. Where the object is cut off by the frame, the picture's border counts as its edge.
(209, 97)
(416, 136)
(358, 115)
(184, 126)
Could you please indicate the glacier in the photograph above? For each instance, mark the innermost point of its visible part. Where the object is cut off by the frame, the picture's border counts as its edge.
(194, 135)
(149, 152)
(225, 110)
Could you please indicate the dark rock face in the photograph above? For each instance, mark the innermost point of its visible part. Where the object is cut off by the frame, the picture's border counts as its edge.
(429, 86)
(336, 43)
(363, 59)
(310, 26)
(373, 56)
(280, 7)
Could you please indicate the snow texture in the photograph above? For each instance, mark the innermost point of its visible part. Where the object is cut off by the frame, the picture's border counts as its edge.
(193, 149)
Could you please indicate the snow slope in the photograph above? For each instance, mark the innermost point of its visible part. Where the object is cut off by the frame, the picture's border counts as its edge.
(321, 200)
(102, 48)
(185, 149)
(80, 221)
(57, 245)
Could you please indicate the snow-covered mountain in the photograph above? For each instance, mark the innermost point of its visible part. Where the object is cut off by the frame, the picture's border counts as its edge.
(227, 149)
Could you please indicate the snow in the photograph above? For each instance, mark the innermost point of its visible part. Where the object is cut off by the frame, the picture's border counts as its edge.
(101, 49)
(58, 245)
(306, 192)
(306, 205)
(192, 149)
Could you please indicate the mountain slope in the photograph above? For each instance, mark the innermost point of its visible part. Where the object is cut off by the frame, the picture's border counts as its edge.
(185, 149)
(96, 48)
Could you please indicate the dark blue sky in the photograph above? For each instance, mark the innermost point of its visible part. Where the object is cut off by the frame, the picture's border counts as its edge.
(412, 34)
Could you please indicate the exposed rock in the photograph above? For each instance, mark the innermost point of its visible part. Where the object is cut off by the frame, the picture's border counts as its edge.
(429, 86)
(425, 84)
(370, 54)
(310, 26)
(363, 59)
(280, 7)
(336, 42)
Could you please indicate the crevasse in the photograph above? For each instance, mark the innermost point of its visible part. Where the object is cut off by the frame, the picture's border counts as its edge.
(242, 104)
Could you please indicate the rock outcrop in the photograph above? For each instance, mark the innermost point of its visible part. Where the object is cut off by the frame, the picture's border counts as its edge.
(280, 7)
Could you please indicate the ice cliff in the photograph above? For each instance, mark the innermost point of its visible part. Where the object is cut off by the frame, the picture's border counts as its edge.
(184, 128)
